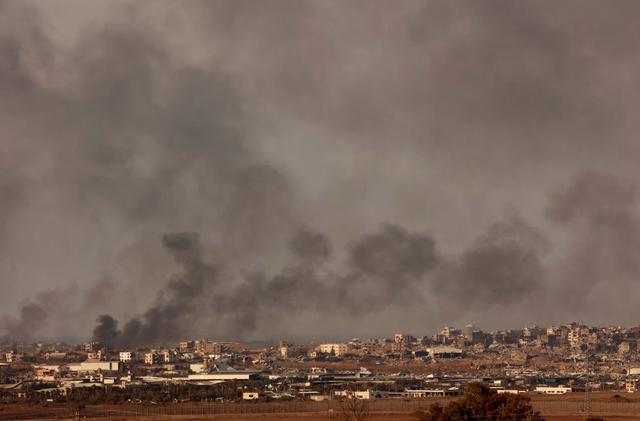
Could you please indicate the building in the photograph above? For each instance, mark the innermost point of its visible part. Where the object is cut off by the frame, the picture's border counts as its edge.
(13, 357)
(335, 349)
(444, 352)
(94, 366)
(427, 393)
(205, 346)
(290, 350)
(168, 356)
(95, 355)
(467, 332)
(151, 358)
(250, 396)
(125, 356)
(450, 332)
(4, 372)
(226, 375)
(186, 346)
(627, 347)
(46, 372)
(92, 346)
(360, 394)
(547, 340)
(631, 386)
(553, 390)
(531, 332)
(401, 343)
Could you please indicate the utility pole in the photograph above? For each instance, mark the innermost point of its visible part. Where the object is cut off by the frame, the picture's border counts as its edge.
(587, 397)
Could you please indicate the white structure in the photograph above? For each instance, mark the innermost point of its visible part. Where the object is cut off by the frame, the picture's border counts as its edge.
(168, 356)
(226, 375)
(633, 371)
(197, 368)
(336, 349)
(94, 366)
(125, 357)
(13, 357)
(553, 390)
(250, 396)
(361, 394)
(423, 393)
(631, 387)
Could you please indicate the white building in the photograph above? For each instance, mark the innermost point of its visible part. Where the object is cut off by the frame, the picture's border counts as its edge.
(168, 356)
(361, 394)
(226, 375)
(250, 396)
(125, 356)
(335, 349)
(631, 386)
(553, 390)
(94, 366)
(13, 357)
(197, 368)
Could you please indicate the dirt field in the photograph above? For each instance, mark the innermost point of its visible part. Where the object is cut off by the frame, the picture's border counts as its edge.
(316, 417)
(614, 406)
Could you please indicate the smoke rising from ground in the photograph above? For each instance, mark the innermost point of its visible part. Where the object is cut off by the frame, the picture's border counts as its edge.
(276, 167)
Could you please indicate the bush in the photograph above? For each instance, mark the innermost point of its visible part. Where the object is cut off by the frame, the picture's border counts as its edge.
(480, 402)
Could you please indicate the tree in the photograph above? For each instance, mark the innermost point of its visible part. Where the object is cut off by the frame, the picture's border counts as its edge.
(480, 402)
(353, 409)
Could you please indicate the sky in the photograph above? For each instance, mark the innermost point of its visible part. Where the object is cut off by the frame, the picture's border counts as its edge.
(278, 168)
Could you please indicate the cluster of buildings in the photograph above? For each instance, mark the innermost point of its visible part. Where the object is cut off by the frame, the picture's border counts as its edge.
(550, 360)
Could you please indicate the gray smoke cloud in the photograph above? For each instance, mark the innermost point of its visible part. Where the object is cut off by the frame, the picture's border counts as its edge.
(389, 267)
(57, 310)
(247, 120)
(600, 213)
(502, 266)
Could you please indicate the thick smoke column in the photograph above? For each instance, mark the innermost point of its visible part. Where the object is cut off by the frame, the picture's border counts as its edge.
(176, 304)
(106, 331)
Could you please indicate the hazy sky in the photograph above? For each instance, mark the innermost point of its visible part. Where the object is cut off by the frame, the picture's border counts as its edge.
(273, 168)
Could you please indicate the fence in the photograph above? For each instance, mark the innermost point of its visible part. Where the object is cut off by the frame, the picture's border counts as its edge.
(545, 407)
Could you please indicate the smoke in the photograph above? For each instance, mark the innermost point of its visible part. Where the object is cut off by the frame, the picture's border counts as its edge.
(600, 215)
(176, 305)
(503, 266)
(310, 246)
(247, 121)
(386, 268)
(61, 310)
(106, 331)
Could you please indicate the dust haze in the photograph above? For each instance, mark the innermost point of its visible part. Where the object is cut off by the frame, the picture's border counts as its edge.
(266, 169)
